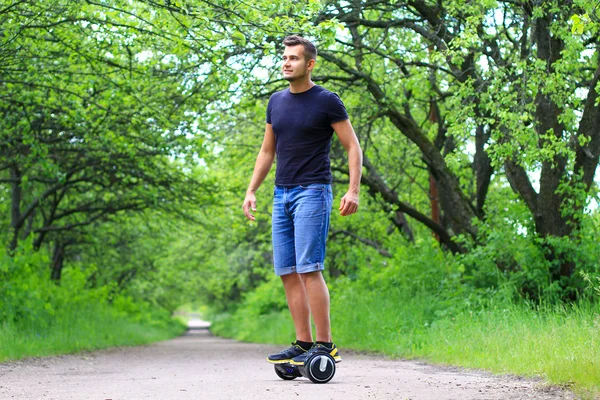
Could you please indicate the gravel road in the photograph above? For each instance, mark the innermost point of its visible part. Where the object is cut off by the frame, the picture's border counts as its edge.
(201, 366)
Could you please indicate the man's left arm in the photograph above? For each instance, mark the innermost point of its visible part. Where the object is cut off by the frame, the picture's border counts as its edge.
(345, 132)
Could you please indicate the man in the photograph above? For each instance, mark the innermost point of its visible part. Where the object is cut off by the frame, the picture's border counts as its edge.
(300, 125)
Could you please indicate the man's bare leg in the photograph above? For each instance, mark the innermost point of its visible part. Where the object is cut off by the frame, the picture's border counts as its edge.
(318, 299)
(297, 299)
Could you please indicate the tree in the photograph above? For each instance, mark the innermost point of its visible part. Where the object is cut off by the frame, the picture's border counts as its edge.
(97, 118)
(481, 89)
(506, 78)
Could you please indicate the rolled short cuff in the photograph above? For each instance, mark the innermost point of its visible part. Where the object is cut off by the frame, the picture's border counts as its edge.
(285, 271)
(303, 269)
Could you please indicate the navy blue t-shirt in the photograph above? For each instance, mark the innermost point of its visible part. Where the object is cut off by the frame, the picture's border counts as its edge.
(302, 126)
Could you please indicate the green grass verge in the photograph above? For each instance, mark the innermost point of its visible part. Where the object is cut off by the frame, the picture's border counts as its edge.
(90, 328)
(560, 345)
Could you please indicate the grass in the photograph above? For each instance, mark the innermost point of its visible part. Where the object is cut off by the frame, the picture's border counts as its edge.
(93, 327)
(558, 344)
(561, 346)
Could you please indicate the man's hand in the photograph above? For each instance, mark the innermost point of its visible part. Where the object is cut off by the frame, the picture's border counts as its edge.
(349, 204)
(249, 204)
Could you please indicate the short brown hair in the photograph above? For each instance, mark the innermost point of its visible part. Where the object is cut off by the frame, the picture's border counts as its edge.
(310, 50)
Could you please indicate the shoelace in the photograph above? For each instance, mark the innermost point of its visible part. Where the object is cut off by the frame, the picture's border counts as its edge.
(294, 345)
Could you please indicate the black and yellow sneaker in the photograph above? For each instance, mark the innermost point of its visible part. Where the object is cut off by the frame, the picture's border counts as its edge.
(317, 348)
(285, 356)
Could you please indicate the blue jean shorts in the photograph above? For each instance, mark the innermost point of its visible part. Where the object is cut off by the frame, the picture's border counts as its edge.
(300, 226)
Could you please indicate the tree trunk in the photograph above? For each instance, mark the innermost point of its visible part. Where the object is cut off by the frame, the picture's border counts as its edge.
(400, 221)
(15, 207)
(435, 205)
(550, 220)
(482, 166)
(58, 259)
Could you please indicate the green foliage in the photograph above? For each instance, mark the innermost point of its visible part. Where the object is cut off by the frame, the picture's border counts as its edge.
(88, 133)
(30, 298)
(265, 306)
(266, 298)
(39, 317)
(524, 266)
(87, 326)
(587, 20)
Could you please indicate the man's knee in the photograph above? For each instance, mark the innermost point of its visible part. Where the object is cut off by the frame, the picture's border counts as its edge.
(292, 281)
(311, 276)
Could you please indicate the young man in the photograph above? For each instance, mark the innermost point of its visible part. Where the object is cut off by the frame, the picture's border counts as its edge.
(300, 125)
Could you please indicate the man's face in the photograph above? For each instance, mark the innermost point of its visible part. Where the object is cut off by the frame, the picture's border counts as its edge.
(294, 65)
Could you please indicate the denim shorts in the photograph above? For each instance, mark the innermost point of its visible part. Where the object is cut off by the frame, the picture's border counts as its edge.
(300, 226)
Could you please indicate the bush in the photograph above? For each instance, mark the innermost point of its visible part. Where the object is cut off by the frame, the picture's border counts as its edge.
(41, 317)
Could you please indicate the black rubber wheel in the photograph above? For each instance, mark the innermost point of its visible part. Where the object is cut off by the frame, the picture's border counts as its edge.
(320, 368)
(287, 373)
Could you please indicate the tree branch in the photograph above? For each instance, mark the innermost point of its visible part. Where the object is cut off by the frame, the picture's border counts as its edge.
(368, 242)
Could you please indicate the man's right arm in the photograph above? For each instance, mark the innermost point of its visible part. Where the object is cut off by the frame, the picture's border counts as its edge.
(264, 162)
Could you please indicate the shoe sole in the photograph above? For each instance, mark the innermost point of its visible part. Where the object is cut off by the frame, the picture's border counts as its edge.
(288, 361)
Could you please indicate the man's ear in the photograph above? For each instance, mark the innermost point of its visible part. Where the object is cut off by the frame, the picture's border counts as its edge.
(310, 64)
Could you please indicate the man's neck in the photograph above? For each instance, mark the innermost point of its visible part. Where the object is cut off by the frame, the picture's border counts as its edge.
(301, 86)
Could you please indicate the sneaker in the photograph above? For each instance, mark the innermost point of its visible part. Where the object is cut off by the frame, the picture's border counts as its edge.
(285, 356)
(317, 348)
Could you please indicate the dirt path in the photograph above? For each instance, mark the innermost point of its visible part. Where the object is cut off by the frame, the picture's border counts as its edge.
(200, 366)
